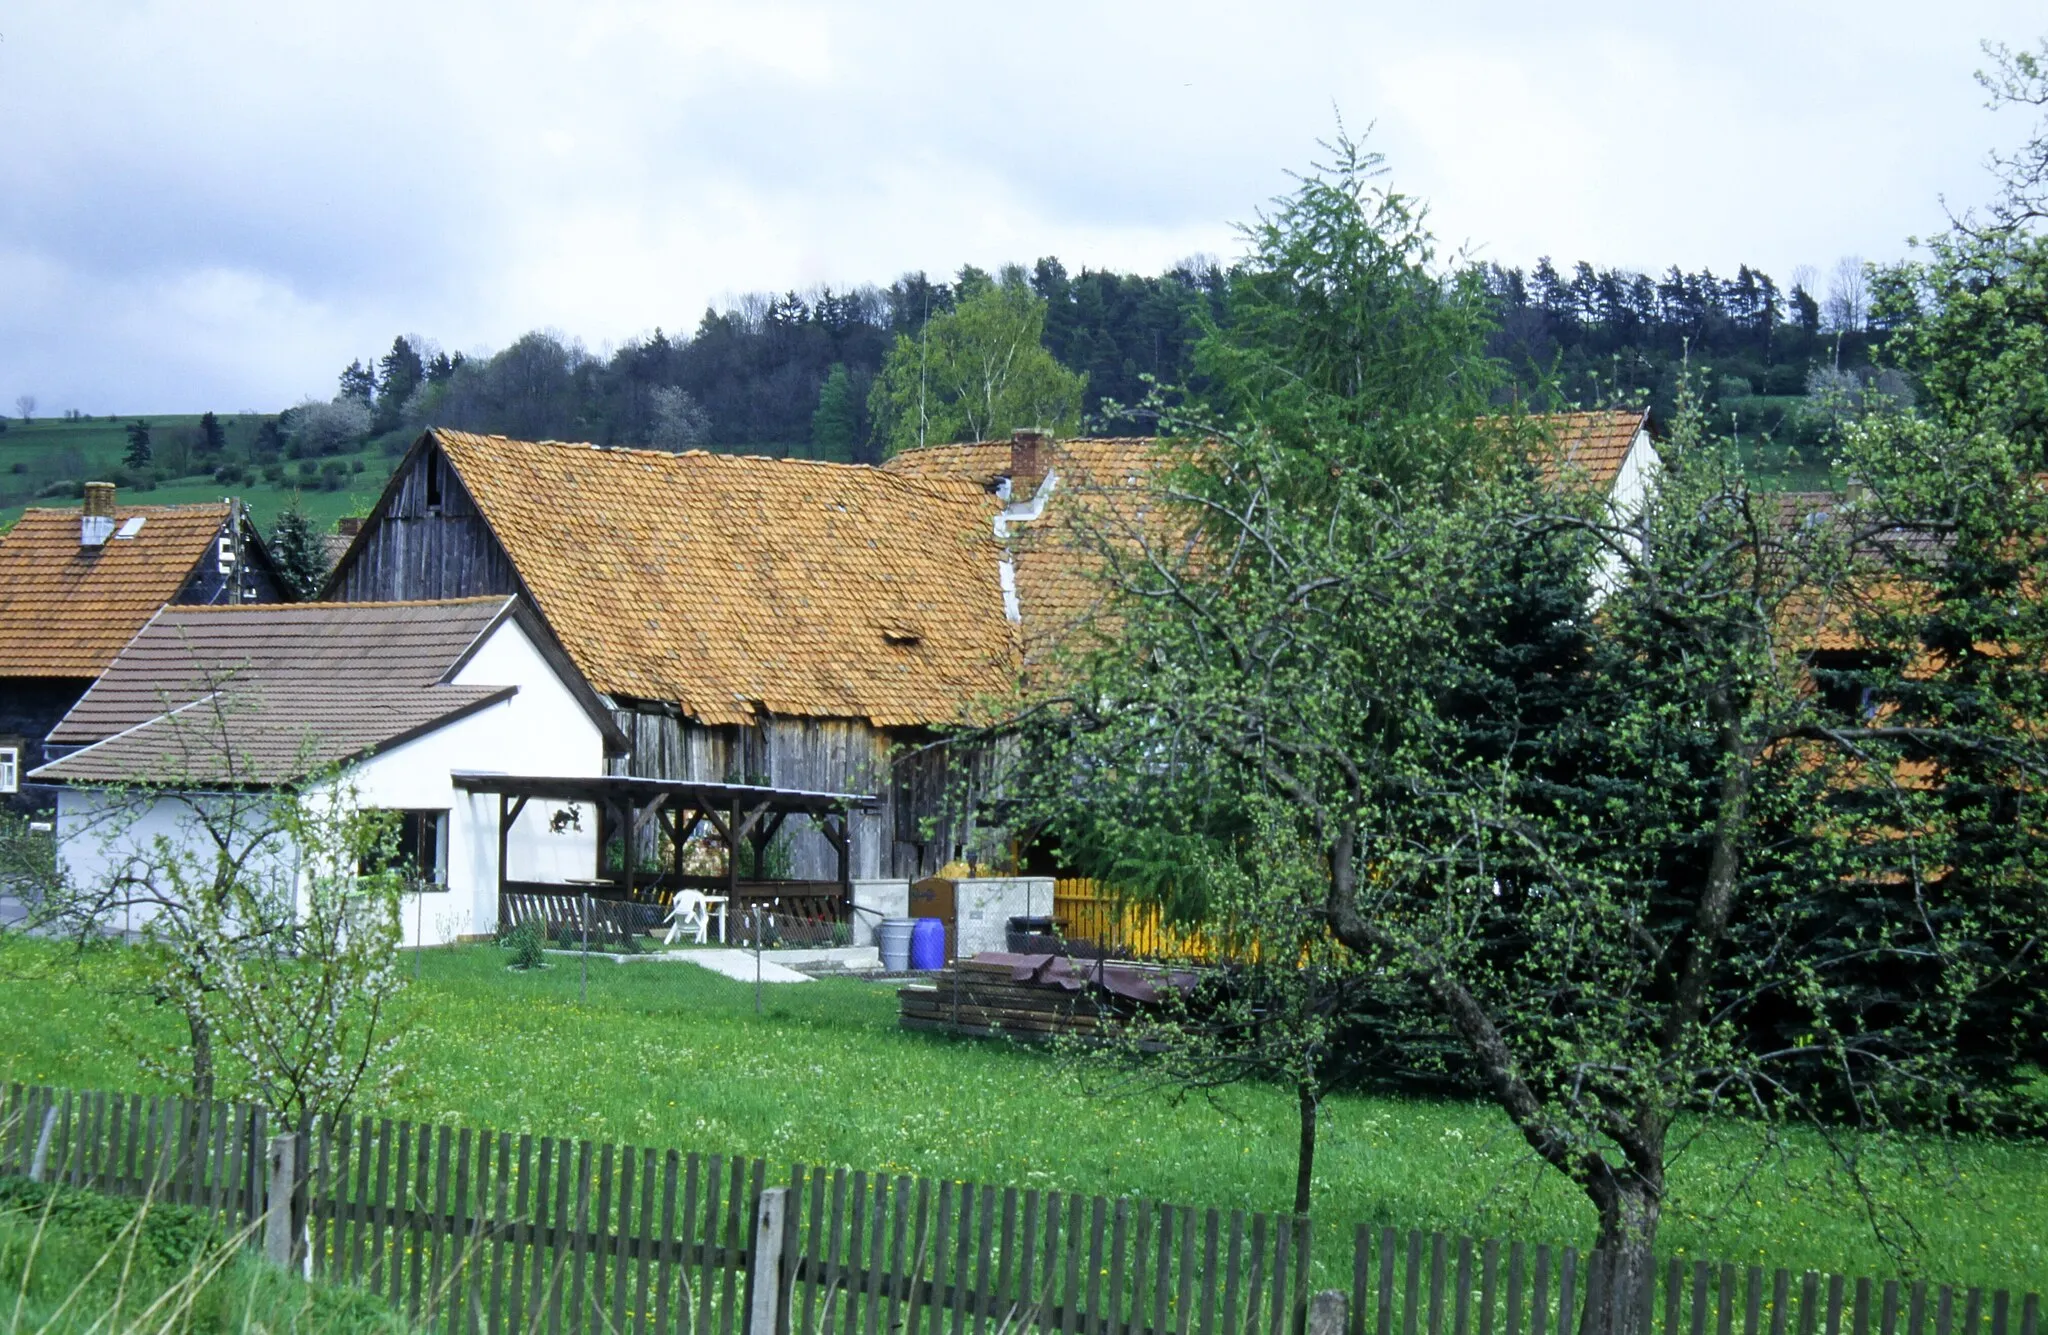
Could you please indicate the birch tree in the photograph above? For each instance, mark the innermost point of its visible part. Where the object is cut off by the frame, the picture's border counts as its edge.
(976, 372)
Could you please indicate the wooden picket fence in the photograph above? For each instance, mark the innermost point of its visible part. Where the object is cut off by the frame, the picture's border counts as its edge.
(471, 1231)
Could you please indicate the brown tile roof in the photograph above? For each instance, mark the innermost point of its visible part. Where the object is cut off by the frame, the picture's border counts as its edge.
(1590, 444)
(66, 610)
(261, 694)
(1099, 492)
(731, 585)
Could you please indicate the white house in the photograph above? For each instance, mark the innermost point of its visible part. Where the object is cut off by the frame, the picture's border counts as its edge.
(391, 699)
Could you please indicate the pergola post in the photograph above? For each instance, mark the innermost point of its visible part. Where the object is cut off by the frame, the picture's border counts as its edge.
(844, 843)
(504, 841)
(732, 858)
(508, 812)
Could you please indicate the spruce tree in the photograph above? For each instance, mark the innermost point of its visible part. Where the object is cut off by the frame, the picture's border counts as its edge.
(139, 452)
(296, 548)
(213, 438)
(835, 426)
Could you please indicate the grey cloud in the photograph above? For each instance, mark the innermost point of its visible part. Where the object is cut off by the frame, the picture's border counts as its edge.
(217, 202)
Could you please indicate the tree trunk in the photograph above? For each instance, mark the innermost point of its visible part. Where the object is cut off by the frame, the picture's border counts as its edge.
(202, 1053)
(1305, 1155)
(1628, 1232)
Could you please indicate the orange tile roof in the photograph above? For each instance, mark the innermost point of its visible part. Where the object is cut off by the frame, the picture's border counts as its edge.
(1592, 444)
(66, 610)
(733, 585)
(1099, 491)
(1101, 488)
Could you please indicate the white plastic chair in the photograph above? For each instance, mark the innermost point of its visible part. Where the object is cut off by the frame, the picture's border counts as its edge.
(688, 911)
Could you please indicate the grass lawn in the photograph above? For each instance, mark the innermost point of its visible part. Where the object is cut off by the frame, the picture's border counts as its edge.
(670, 1055)
(71, 1261)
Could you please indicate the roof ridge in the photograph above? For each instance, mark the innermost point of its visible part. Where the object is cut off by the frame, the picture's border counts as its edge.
(656, 452)
(720, 458)
(474, 600)
(180, 508)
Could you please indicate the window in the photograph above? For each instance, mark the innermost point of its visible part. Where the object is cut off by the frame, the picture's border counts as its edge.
(421, 851)
(10, 768)
(1843, 681)
(433, 482)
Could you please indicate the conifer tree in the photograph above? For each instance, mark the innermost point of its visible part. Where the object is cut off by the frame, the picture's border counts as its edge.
(835, 426)
(298, 552)
(139, 452)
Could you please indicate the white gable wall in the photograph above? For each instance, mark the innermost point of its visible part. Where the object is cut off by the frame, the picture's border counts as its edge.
(1632, 482)
(540, 730)
(1625, 502)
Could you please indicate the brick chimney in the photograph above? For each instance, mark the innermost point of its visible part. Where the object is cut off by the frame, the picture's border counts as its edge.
(96, 520)
(1029, 451)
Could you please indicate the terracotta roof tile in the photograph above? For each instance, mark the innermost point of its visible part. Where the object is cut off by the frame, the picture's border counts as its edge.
(66, 610)
(731, 585)
(1099, 487)
(1592, 444)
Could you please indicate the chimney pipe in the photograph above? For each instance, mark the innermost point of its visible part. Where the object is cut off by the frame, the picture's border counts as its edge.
(1029, 447)
(96, 520)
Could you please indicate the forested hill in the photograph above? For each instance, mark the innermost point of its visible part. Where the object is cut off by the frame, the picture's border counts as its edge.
(793, 373)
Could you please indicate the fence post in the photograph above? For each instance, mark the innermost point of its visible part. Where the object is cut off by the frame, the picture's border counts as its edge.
(1329, 1313)
(771, 1265)
(39, 1165)
(278, 1195)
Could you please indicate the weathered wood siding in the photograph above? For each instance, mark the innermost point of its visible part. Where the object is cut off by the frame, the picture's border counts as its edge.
(823, 755)
(429, 542)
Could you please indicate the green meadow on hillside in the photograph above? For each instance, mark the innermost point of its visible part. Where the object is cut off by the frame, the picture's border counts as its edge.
(43, 461)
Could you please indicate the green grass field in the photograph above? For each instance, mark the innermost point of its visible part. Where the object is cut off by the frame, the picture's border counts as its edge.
(668, 1055)
(37, 455)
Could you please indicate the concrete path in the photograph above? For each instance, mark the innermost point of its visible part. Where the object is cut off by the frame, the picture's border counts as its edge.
(739, 964)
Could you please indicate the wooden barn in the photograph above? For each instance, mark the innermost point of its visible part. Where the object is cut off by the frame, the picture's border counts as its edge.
(790, 623)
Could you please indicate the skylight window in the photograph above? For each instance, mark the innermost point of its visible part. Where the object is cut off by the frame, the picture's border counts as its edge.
(133, 526)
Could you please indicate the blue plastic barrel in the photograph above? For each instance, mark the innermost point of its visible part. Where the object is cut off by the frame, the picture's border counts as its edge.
(928, 944)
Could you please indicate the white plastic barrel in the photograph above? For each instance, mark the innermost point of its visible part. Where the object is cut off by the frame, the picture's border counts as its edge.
(893, 938)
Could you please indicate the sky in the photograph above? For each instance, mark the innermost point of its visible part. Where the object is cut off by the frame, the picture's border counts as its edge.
(218, 203)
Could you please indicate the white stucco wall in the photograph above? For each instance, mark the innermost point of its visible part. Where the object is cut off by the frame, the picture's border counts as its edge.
(882, 898)
(1625, 501)
(983, 908)
(1632, 482)
(540, 730)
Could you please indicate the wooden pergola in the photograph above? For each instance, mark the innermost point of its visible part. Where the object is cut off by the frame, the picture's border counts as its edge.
(680, 809)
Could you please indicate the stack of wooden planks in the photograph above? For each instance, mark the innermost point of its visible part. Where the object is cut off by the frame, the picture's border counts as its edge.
(1028, 997)
(983, 999)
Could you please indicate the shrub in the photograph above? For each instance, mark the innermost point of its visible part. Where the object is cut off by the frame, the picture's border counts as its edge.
(319, 429)
(524, 943)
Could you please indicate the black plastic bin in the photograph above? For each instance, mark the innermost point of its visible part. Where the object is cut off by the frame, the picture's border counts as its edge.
(1032, 936)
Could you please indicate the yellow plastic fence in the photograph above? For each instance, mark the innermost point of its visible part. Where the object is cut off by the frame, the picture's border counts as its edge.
(1088, 912)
